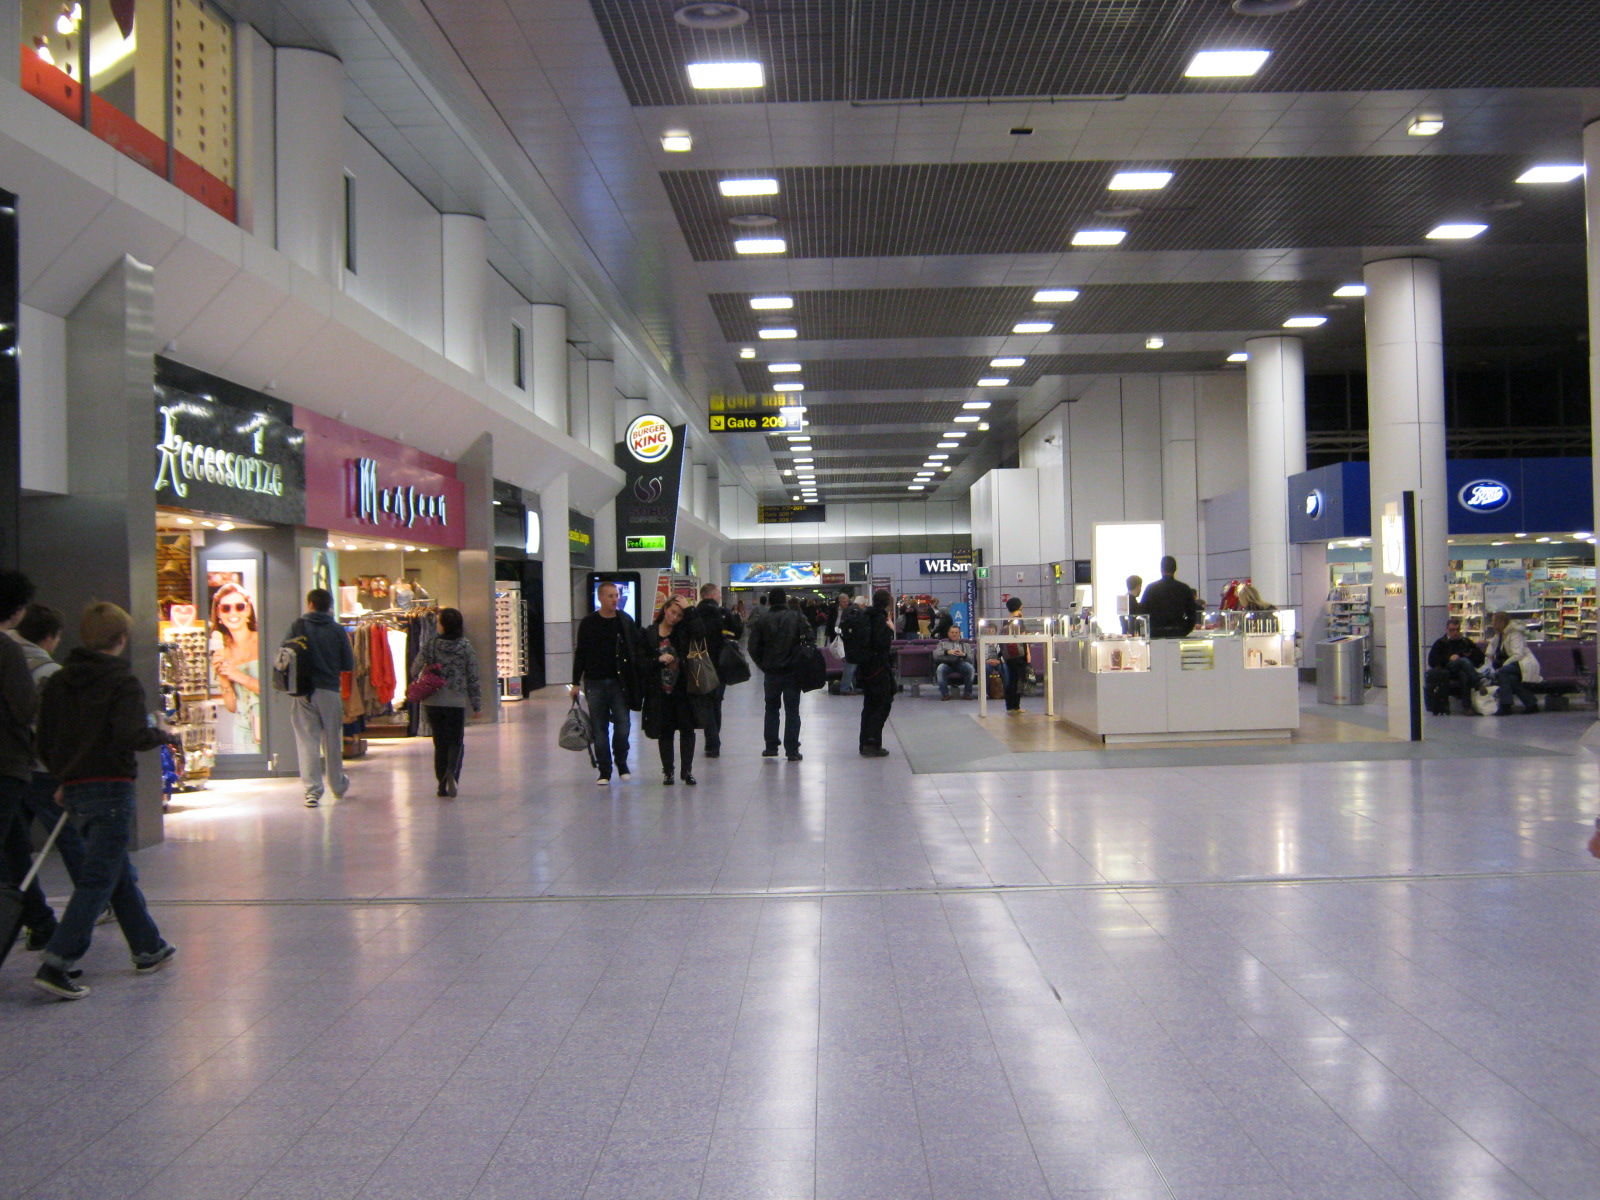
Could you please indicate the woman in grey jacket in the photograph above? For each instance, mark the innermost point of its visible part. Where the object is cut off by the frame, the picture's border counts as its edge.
(447, 708)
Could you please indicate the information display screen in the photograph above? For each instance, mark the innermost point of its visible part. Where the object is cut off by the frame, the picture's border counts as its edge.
(806, 573)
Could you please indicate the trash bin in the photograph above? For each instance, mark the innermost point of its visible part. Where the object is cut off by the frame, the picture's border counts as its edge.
(1341, 671)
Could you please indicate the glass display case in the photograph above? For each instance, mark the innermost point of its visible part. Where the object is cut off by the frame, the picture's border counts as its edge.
(1107, 653)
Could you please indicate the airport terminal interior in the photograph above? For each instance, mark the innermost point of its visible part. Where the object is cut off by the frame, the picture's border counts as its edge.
(1030, 571)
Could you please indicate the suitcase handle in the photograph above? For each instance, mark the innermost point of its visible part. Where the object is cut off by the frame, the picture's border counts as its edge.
(33, 871)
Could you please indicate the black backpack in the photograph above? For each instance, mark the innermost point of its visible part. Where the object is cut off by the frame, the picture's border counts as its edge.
(291, 666)
(855, 631)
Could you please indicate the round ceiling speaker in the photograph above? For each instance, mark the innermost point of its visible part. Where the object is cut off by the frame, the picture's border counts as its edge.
(1266, 8)
(1494, 206)
(753, 220)
(1119, 211)
(711, 15)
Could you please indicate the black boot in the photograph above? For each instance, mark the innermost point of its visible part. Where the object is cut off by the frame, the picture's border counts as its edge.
(452, 770)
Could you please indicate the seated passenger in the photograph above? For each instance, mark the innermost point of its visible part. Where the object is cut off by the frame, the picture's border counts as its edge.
(1453, 669)
(953, 663)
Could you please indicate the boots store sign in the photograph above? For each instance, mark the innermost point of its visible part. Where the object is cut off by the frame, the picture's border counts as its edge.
(359, 483)
(221, 448)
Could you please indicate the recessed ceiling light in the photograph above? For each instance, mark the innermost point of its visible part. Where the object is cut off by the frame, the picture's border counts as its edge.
(1425, 125)
(748, 187)
(1554, 173)
(746, 352)
(224, 526)
(937, 457)
(1055, 296)
(1304, 322)
(789, 385)
(185, 520)
(983, 426)
(994, 381)
(760, 245)
(954, 433)
(1223, 64)
(1455, 232)
(1139, 181)
(213, 525)
(777, 333)
(1238, 356)
(760, 303)
(966, 419)
(1033, 327)
(1099, 237)
(1351, 289)
(804, 460)
(949, 445)
(1007, 362)
(1154, 343)
(349, 545)
(798, 437)
(915, 487)
(711, 76)
(975, 405)
(677, 143)
(782, 368)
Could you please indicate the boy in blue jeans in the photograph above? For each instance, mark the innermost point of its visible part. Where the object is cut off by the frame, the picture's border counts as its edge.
(91, 723)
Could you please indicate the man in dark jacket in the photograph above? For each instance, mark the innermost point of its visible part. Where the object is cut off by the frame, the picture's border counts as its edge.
(603, 665)
(720, 625)
(318, 719)
(875, 676)
(1169, 604)
(772, 643)
(92, 721)
(1454, 665)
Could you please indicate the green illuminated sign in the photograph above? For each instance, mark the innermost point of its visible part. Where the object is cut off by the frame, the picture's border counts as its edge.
(645, 545)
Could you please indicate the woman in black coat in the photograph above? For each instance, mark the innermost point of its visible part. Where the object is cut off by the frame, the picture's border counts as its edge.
(668, 707)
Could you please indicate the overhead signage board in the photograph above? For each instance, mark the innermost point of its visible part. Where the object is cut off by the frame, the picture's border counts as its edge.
(791, 514)
(775, 573)
(759, 402)
(580, 539)
(944, 566)
(651, 457)
(222, 448)
(777, 421)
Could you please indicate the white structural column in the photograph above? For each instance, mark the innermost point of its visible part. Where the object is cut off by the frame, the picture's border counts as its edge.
(1591, 191)
(310, 170)
(466, 289)
(602, 406)
(1405, 416)
(1180, 489)
(700, 491)
(1275, 386)
(554, 499)
(549, 374)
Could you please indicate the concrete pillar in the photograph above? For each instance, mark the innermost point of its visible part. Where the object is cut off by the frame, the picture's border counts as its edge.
(605, 537)
(99, 542)
(554, 500)
(1405, 416)
(1591, 195)
(475, 469)
(256, 100)
(1180, 473)
(699, 488)
(1275, 383)
(310, 167)
(466, 289)
(602, 406)
(548, 339)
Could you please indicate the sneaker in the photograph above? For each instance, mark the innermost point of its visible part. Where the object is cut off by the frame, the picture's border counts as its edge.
(343, 794)
(152, 963)
(106, 916)
(59, 984)
(37, 939)
(313, 800)
(770, 752)
(623, 775)
(796, 756)
(874, 752)
(603, 781)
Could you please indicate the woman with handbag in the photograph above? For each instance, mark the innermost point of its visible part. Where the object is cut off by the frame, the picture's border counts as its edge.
(445, 675)
(669, 703)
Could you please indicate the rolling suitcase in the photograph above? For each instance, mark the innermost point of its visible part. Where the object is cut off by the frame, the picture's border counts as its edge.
(11, 897)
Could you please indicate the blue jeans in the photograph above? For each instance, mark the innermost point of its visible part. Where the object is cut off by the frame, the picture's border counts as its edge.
(847, 681)
(783, 689)
(103, 813)
(608, 709)
(964, 670)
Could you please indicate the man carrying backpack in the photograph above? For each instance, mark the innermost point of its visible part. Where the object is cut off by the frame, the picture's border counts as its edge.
(318, 707)
(875, 674)
(772, 643)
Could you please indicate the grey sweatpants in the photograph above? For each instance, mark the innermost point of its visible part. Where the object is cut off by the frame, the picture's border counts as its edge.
(319, 741)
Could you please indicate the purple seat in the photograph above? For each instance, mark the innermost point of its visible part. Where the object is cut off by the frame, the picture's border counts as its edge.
(916, 662)
(1559, 665)
(833, 663)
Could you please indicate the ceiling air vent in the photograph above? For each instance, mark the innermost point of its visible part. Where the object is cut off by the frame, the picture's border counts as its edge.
(1266, 8)
(711, 15)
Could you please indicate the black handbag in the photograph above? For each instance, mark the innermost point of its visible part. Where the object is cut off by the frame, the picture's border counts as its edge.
(732, 665)
(807, 665)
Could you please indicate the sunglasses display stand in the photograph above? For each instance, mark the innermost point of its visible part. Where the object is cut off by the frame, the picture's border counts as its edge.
(186, 699)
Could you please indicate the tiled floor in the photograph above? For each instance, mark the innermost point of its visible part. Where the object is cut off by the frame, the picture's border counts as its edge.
(836, 979)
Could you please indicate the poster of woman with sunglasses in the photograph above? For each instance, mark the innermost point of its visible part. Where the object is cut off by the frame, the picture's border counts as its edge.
(235, 654)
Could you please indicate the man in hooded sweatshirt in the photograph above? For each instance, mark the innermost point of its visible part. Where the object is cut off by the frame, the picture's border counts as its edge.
(92, 720)
(319, 717)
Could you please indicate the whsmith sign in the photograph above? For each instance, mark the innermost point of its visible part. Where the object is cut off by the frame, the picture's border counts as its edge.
(944, 566)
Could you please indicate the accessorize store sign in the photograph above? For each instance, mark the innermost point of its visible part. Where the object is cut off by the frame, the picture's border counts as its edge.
(651, 457)
(221, 448)
(362, 484)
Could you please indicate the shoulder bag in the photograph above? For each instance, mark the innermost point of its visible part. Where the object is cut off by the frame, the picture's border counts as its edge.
(806, 663)
(699, 672)
(430, 680)
(577, 731)
(732, 666)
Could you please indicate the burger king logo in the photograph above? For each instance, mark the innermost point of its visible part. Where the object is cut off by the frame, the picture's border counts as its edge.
(649, 438)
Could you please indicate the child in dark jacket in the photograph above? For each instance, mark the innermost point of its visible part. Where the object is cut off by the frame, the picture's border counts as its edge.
(92, 721)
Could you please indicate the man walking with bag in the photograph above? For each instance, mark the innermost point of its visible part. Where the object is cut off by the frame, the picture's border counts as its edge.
(720, 625)
(603, 666)
(318, 717)
(772, 644)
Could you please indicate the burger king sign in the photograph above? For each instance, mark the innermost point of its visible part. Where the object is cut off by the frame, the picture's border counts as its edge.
(649, 438)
